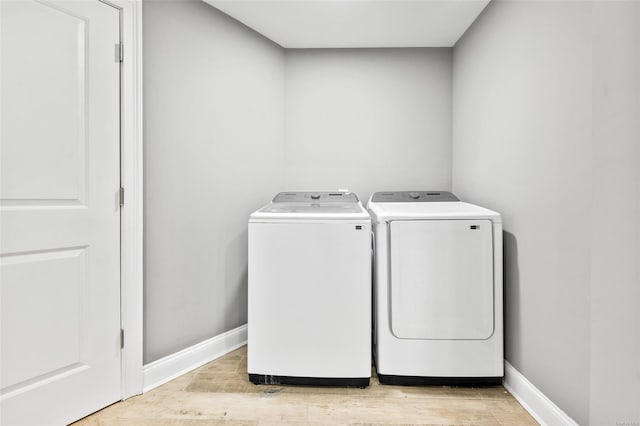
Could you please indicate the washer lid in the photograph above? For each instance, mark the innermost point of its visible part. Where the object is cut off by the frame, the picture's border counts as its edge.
(312, 208)
(312, 205)
(384, 211)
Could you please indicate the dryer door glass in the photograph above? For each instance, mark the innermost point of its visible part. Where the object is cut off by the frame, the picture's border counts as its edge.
(441, 279)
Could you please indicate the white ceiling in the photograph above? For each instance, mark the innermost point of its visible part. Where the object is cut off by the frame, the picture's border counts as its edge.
(356, 23)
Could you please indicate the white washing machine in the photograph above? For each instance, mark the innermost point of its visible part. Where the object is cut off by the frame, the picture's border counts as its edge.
(437, 289)
(309, 314)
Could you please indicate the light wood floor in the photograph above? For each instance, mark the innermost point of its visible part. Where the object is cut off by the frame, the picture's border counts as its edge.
(220, 393)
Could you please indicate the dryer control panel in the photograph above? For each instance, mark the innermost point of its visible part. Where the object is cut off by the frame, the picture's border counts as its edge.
(413, 196)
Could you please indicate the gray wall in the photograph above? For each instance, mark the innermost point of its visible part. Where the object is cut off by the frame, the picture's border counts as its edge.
(214, 131)
(368, 119)
(615, 250)
(532, 82)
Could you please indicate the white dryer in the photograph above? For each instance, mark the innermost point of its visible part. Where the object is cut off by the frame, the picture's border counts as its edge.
(309, 313)
(437, 289)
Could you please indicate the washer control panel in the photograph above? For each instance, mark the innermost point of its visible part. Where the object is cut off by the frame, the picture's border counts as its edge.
(413, 196)
(316, 197)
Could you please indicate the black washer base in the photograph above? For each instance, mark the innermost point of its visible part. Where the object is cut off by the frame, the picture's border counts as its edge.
(351, 382)
(438, 381)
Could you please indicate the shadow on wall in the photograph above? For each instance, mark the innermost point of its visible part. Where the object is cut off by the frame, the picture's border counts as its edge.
(235, 287)
(511, 274)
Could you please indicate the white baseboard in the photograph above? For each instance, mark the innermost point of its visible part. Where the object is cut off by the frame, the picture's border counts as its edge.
(168, 368)
(535, 402)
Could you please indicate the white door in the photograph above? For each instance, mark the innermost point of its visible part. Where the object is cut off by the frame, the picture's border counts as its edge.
(59, 210)
(442, 279)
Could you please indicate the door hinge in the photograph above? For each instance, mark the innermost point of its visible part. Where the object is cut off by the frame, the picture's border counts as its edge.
(121, 196)
(121, 51)
(122, 338)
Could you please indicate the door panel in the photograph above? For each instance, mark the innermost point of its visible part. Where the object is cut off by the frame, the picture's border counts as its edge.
(441, 279)
(34, 348)
(60, 219)
(46, 81)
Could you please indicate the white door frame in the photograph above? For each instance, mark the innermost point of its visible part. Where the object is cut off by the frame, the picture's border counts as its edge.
(131, 216)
